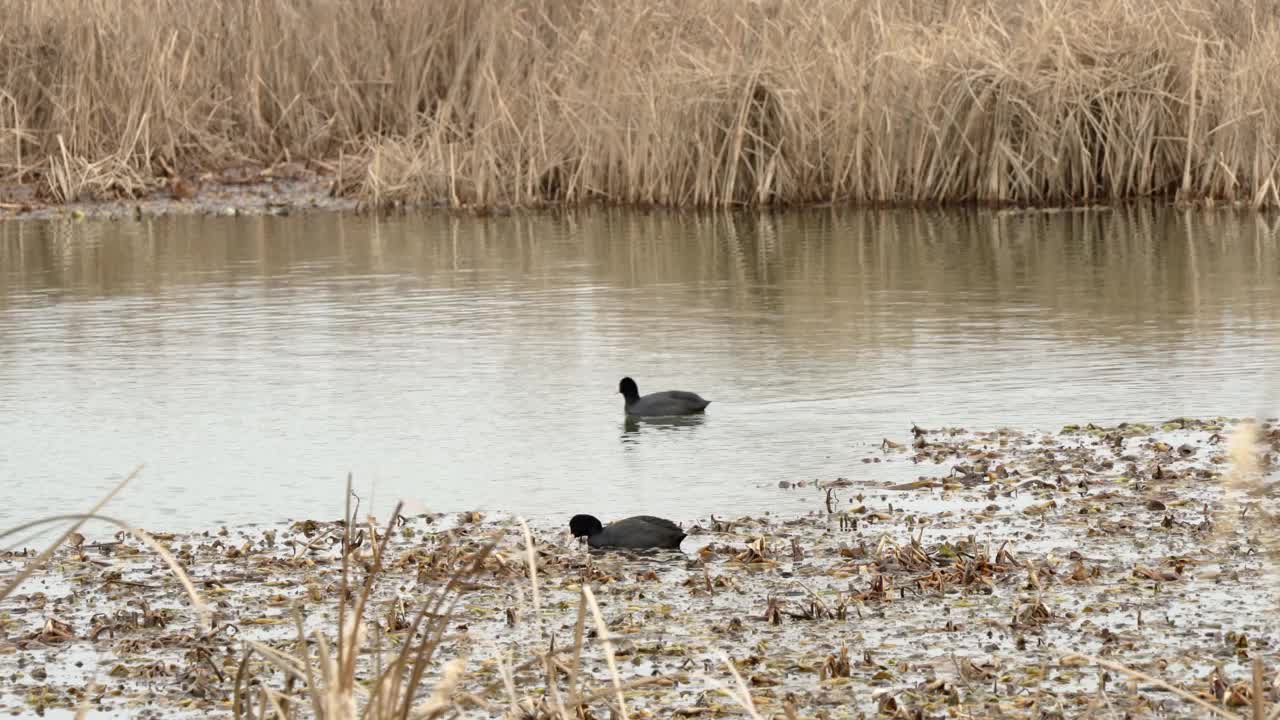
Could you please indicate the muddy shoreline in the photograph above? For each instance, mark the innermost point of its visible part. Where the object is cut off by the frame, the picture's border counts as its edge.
(278, 190)
(294, 188)
(991, 586)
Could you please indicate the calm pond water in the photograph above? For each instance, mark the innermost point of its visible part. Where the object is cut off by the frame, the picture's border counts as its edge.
(463, 363)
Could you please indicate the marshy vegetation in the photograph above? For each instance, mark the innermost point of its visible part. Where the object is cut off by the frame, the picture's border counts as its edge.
(1126, 570)
(670, 102)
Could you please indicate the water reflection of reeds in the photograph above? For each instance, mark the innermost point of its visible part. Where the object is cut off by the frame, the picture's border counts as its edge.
(1101, 272)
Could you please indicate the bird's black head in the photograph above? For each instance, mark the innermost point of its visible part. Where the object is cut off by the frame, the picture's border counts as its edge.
(628, 389)
(584, 525)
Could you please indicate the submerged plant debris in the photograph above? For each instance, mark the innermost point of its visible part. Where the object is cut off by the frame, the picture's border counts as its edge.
(995, 585)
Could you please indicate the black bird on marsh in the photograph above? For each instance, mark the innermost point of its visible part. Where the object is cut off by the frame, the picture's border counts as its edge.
(640, 532)
(667, 403)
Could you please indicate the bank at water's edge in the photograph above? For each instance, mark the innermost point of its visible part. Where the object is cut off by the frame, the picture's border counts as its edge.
(668, 103)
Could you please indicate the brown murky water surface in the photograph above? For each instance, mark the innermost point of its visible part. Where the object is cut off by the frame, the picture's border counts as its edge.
(464, 363)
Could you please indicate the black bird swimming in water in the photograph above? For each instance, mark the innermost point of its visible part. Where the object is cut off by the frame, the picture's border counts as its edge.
(641, 532)
(660, 404)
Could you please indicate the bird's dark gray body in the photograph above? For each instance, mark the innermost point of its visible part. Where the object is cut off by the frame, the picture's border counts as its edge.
(641, 532)
(667, 403)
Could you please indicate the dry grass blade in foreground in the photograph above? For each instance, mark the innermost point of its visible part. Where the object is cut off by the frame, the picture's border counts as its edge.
(670, 102)
(329, 679)
(202, 608)
(37, 563)
(44, 555)
(336, 685)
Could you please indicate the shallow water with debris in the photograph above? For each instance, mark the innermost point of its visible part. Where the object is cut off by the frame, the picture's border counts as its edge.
(989, 585)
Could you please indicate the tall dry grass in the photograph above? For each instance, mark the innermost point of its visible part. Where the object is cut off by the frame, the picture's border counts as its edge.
(671, 102)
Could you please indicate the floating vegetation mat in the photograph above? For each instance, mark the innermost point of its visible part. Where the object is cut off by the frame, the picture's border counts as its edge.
(1126, 571)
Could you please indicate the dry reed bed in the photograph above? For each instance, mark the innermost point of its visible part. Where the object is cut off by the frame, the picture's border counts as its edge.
(971, 591)
(672, 102)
